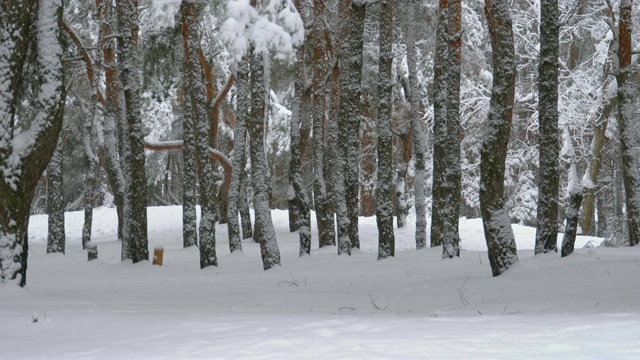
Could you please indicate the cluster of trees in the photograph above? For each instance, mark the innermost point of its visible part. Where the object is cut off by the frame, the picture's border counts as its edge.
(515, 111)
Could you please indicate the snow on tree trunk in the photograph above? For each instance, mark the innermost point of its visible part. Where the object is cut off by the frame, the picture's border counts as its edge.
(324, 216)
(549, 173)
(384, 190)
(195, 100)
(401, 202)
(295, 173)
(239, 146)
(189, 168)
(255, 126)
(136, 240)
(55, 200)
(111, 110)
(25, 153)
(498, 233)
(628, 127)
(446, 187)
(243, 204)
(350, 94)
(419, 139)
(92, 162)
(571, 227)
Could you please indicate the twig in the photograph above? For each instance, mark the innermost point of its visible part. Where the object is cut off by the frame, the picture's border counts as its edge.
(375, 306)
(461, 290)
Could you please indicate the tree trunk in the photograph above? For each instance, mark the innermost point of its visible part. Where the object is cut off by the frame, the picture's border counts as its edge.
(111, 110)
(195, 100)
(571, 227)
(384, 190)
(501, 243)
(419, 139)
(627, 124)
(296, 180)
(55, 200)
(350, 94)
(549, 172)
(446, 188)
(136, 191)
(255, 126)
(23, 166)
(321, 200)
(239, 146)
(243, 204)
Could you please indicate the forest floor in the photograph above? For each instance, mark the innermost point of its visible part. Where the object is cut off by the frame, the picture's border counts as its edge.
(413, 306)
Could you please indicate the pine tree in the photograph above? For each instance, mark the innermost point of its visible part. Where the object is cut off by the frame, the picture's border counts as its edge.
(239, 151)
(23, 165)
(549, 173)
(501, 243)
(55, 200)
(255, 126)
(384, 191)
(324, 216)
(419, 140)
(446, 149)
(628, 128)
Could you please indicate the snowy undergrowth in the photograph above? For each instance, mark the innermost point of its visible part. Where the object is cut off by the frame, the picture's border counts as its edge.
(415, 305)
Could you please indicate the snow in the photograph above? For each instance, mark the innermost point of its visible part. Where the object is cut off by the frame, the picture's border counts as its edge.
(415, 305)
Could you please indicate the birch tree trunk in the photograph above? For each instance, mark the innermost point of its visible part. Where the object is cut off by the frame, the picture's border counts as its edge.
(384, 191)
(549, 173)
(627, 124)
(22, 166)
(498, 233)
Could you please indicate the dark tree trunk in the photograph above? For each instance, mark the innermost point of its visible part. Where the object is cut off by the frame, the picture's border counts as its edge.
(22, 168)
(571, 227)
(384, 190)
(446, 188)
(501, 243)
(136, 189)
(55, 200)
(243, 204)
(350, 94)
(296, 181)
(628, 132)
(321, 200)
(549, 166)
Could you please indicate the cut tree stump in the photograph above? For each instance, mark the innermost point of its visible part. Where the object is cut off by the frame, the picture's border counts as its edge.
(92, 251)
(158, 255)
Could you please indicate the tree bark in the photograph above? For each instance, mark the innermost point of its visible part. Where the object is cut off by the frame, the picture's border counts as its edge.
(571, 227)
(195, 100)
(501, 243)
(239, 151)
(549, 165)
(255, 125)
(628, 127)
(22, 166)
(419, 139)
(136, 189)
(324, 216)
(384, 191)
(55, 200)
(446, 187)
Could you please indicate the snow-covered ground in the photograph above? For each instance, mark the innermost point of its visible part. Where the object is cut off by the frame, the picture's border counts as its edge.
(415, 305)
